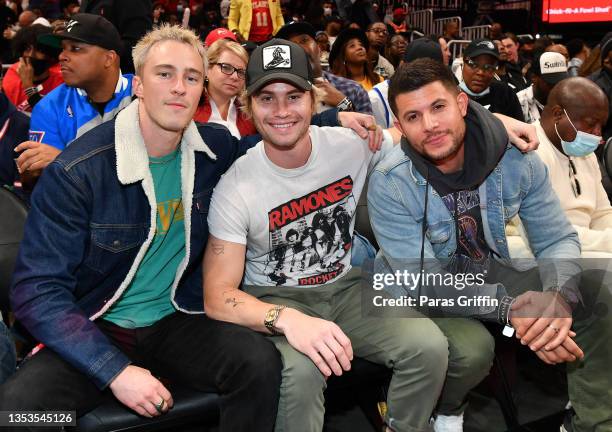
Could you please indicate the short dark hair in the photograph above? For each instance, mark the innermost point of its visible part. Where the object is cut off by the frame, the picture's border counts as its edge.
(416, 74)
(509, 35)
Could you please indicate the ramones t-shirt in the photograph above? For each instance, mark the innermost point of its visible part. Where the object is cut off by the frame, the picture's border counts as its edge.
(297, 224)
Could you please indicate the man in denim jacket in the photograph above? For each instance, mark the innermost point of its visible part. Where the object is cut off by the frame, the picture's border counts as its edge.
(442, 199)
(108, 276)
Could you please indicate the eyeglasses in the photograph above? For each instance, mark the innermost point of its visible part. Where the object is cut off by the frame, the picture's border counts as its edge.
(488, 68)
(573, 179)
(379, 31)
(228, 69)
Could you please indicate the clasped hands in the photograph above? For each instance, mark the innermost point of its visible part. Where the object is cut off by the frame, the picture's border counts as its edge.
(543, 321)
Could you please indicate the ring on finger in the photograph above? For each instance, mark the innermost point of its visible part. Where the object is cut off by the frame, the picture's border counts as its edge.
(160, 406)
(555, 329)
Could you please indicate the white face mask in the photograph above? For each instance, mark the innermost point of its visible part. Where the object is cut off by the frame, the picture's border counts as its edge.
(465, 88)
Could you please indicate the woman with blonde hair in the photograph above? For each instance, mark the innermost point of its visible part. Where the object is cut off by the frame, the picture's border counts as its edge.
(224, 82)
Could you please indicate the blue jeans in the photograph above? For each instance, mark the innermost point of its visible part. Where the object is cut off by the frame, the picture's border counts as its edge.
(7, 353)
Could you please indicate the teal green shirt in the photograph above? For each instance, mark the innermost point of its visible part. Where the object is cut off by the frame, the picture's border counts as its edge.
(147, 299)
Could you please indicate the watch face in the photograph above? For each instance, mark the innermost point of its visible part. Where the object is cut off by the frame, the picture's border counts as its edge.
(271, 314)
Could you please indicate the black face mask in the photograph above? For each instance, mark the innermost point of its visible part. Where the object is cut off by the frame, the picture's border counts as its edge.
(39, 66)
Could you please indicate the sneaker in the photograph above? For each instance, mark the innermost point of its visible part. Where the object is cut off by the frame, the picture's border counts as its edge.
(567, 421)
(448, 423)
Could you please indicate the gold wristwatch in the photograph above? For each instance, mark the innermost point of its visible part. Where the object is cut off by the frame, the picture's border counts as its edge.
(271, 318)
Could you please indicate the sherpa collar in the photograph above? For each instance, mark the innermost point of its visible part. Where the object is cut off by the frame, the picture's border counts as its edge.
(132, 157)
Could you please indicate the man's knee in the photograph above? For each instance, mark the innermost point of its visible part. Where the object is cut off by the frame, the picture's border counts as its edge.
(301, 375)
(474, 354)
(427, 346)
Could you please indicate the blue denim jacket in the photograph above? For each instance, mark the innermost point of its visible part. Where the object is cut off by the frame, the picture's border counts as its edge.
(92, 218)
(519, 184)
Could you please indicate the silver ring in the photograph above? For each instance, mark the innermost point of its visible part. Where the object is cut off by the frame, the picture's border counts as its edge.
(160, 406)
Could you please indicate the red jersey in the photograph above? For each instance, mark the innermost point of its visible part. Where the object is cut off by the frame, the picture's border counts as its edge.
(261, 22)
(11, 85)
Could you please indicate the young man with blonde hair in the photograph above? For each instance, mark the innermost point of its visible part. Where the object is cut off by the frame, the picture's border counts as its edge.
(109, 273)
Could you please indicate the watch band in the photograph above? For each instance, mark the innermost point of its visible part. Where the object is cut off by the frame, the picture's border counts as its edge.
(345, 105)
(503, 312)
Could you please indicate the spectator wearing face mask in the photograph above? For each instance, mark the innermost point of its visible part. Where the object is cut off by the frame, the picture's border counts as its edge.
(569, 133)
(480, 60)
(35, 74)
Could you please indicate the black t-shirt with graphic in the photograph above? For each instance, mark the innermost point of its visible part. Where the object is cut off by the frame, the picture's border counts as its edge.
(472, 253)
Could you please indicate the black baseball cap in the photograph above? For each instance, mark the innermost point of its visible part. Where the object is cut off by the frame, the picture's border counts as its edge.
(295, 28)
(479, 47)
(343, 38)
(278, 60)
(87, 28)
(423, 48)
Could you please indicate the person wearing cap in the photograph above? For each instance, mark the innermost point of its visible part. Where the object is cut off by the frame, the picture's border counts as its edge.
(480, 60)
(343, 93)
(420, 48)
(603, 78)
(37, 71)
(220, 33)
(378, 35)
(94, 91)
(569, 132)
(255, 20)
(300, 184)
(439, 203)
(547, 70)
(398, 23)
(349, 58)
(109, 275)
(223, 84)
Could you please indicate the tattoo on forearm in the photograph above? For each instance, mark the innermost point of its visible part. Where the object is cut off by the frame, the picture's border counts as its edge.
(218, 249)
(233, 301)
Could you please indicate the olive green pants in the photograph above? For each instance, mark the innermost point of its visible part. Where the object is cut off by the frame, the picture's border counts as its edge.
(414, 348)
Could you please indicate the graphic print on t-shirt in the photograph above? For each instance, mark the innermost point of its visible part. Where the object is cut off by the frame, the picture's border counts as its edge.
(311, 234)
(472, 253)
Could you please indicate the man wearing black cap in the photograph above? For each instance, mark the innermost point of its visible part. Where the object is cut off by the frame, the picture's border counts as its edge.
(343, 93)
(303, 183)
(480, 60)
(603, 78)
(93, 93)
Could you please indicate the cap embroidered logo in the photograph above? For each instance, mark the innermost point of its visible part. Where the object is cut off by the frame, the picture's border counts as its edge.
(487, 44)
(276, 56)
(70, 25)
